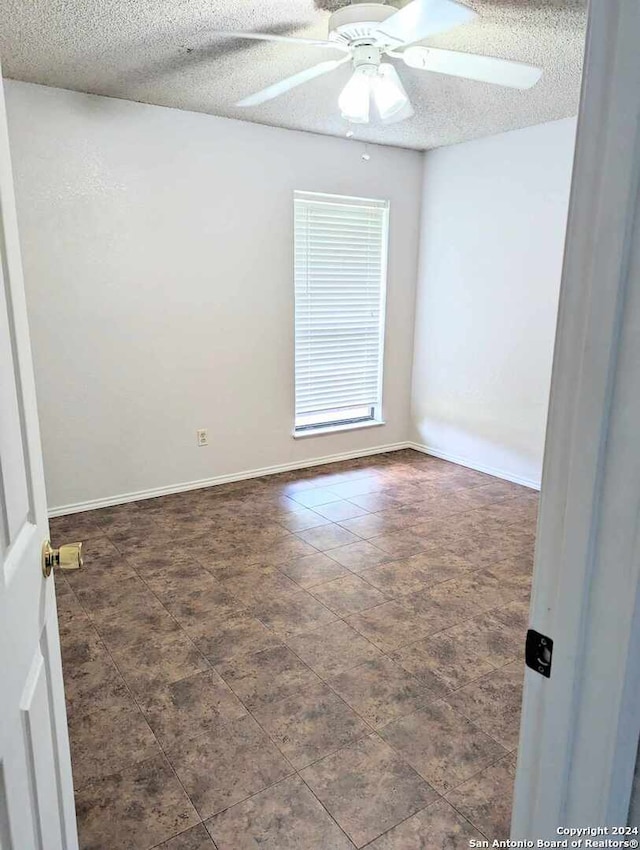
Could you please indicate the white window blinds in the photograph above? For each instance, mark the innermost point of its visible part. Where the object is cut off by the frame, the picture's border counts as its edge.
(340, 278)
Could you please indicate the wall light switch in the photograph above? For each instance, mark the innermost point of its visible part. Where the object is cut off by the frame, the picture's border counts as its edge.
(203, 437)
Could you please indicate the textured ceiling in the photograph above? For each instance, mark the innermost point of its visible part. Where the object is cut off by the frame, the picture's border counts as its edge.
(163, 52)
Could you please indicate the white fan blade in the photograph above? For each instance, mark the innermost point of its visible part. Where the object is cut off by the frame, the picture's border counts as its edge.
(485, 69)
(422, 18)
(260, 36)
(292, 82)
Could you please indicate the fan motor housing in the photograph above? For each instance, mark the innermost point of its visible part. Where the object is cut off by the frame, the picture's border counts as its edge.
(366, 57)
(357, 24)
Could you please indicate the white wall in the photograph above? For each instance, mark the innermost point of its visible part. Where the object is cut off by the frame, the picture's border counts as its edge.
(157, 247)
(492, 237)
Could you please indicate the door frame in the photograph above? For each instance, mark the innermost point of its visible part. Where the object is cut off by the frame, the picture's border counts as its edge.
(580, 728)
(37, 806)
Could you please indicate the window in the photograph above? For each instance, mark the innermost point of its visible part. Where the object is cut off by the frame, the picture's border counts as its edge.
(340, 283)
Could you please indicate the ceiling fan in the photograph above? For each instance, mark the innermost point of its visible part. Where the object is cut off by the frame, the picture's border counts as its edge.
(367, 32)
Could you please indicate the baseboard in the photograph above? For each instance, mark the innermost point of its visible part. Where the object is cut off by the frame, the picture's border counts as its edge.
(479, 467)
(123, 498)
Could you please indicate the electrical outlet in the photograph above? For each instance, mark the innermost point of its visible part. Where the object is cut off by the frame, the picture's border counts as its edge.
(203, 437)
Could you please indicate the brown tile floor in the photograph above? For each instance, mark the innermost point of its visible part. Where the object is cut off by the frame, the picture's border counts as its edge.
(318, 660)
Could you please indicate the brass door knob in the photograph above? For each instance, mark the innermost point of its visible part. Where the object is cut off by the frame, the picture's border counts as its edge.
(67, 557)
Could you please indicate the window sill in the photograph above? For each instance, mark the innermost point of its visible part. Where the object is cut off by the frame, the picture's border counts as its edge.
(335, 429)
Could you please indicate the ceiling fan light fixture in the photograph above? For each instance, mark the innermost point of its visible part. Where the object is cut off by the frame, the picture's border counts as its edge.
(354, 100)
(365, 32)
(388, 92)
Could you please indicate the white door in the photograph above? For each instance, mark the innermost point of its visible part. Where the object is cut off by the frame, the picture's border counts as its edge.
(580, 726)
(36, 791)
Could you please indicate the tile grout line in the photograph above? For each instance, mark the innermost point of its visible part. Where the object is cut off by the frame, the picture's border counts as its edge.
(468, 779)
(134, 699)
(160, 747)
(134, 696)
(184, 832)
(294, 771)
(438, 799)
(324, 808)
(386, 654)
(339, 618)
(268, 788)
